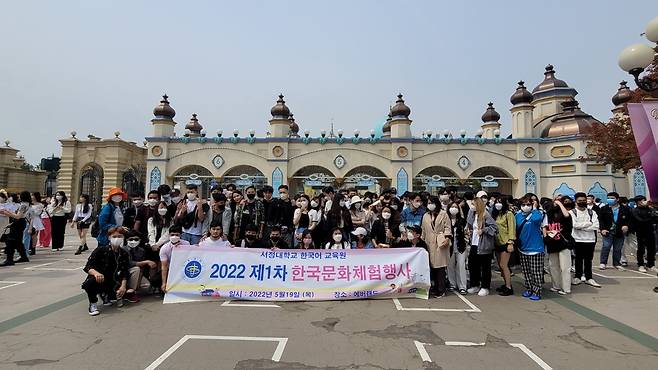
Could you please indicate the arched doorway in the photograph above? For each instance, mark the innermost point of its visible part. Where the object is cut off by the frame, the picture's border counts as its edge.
(491, 179)
(310, 180)
(366, 178)
(431, 179)
(130, 182)
(244, 176)
(194, 175)
(91, 183)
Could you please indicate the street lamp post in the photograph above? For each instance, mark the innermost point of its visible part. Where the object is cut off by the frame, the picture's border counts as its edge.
(637, 57)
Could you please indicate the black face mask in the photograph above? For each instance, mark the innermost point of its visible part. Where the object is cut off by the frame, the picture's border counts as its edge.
(275, 238)
(215, 197)
(251, 196)
(582, 204)
(568, 205)
(250, 237)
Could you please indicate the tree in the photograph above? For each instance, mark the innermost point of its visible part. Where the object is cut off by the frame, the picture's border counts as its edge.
(614, 141)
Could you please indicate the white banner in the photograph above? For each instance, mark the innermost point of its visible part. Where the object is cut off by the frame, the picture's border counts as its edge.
(209, 273)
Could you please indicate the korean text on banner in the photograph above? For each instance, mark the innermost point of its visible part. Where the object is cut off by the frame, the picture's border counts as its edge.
(207, 273)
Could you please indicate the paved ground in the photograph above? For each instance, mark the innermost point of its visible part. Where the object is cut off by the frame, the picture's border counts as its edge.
(44, 325)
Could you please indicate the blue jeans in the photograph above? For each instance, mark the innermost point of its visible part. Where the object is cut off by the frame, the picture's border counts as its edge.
(27, 238)
(192, 239)
(616, 244)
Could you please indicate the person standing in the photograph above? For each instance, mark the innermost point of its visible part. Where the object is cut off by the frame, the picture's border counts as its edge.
(249, 211)
(614, 223)
(17, 225)
(339, 217)
(413, 213)
(558, 241)
(437, 233)
(457, 263)
(483, 228)
(505, 237)
(59, 209)
(82, 219)
(35, 225)
(301, 219)
(386, 229)
(191, 214)
(110, 216)
(531, 245)
(644, 220)
(585, 226)
(45, 234)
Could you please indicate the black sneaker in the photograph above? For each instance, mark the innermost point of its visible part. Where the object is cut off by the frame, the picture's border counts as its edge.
(79, 251)
(506, 292)
(501, 288)
(85, 248)
(23, 260)
(106, 300)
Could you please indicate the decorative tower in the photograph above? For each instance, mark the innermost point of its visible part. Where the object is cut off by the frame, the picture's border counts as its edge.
(548, 97)
(619, 100)
(521, 112)
(163, 123)
(490, 120)
(280, 124)
(386, 130)
(193, 128)
(400, 122)
(294, 127)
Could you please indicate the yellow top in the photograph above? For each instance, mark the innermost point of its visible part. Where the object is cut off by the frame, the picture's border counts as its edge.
(506, 228)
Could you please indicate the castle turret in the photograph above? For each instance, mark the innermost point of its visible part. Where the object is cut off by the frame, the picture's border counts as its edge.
(193, 128)
(490, 120)
(400, 123)
(619, 100)
(163, 123)
(521, 112)
(280, 124)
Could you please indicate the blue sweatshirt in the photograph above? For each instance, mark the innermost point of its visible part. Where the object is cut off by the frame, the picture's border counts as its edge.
(530, 236)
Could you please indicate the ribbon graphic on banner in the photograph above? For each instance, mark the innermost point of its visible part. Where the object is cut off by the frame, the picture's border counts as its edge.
(644, 121)
(207, 274)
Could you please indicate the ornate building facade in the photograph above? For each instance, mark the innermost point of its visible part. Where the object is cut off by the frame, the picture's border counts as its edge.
(16, 175)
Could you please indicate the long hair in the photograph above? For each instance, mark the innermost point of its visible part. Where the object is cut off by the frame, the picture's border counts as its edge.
(85, 202)
(480, 210)
(495, 213)
(64, 198)
(161, 220)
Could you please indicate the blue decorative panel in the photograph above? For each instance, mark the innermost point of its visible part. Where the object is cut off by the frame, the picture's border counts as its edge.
(564, 189)
(639, 183)
(403, 179)
(598, 191)
(530, 182)
(155, 179)
(277, 180)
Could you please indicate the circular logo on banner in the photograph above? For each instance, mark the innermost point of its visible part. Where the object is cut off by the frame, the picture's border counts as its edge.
(192, 269)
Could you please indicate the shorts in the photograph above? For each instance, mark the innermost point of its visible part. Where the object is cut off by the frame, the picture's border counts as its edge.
(500, 248)
(83, 225)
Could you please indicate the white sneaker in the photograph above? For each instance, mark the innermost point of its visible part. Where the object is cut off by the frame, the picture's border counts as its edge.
(652, 269)
(554, 289)
(602, 266)
(593, 283)
(620, 268)
(562, 292)
(93, 309)
(641, 269)
(483, 292)
(572, 269)
(582, 278)
(575, 281)
(473, 290)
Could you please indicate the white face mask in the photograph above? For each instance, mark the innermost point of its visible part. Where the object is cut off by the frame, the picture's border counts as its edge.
(174, 239)
(499, 206)
(357, 206)
(338, 238)
(153, 202)
(526, 209)
(386, 215)
(444, 198)
(117, 198)
(162, 211)
(394, 206)
(166, 198)
(137, 203)
(491, 202)
(417, 204)
(454, 211)
(590, 206)
(58, 197)
(191, 196)
(431, 206)
(175, 199)
(410, 235)
(283, 196)
(116, 242)
(314, 204)
(133, 243)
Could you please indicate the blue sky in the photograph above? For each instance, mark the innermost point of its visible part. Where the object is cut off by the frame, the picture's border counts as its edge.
(97, 67)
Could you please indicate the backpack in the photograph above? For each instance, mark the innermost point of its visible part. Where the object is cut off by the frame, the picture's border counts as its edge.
(95, 228)
(589, 212)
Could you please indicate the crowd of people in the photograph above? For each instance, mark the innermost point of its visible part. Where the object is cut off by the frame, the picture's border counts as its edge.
(463, 233)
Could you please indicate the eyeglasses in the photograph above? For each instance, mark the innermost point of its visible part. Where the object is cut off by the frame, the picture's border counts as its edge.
(133, 239)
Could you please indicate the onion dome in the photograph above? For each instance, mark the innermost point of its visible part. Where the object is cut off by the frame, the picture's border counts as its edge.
(521, 95)
(164, 110)
(400, 109)
(623, 95)
(550, 81)
(194, 126)
(490, 115)
(280, 110)
(387, 125)
(294, 127)
(572, 121)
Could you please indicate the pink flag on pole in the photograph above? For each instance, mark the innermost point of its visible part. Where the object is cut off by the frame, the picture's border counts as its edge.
(644, 120)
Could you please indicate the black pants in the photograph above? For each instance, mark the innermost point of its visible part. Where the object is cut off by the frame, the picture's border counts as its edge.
(94, 288)
(58, 226)
(479, 268)
(646, 242)
(11, 247)
(584, 256)
(439, 279)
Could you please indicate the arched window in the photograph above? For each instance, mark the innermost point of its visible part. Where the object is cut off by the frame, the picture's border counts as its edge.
(564, 189)
(91, 183)
(639, 183)
(155, 179)
(598, 191)
(530, 182)
(402, 181)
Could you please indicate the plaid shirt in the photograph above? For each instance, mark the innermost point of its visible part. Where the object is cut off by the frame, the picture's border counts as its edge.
(259, 217)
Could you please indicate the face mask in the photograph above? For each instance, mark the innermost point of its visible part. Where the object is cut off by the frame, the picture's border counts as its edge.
(471, 204)
(454, 211)
(314, 204)
(138, 203)
(499, 206)
(162, 211)
(590, 206)
(526, 209)
(357, 206)
(58, 197)
(394, 207)
(275, 238)
(342, 203)
(251, 196)
(133, 243)
(153, 202)
(303, 204)
(283, 196)
(431, 206)
(116, 242)
(191, 196)
(386, 215)
(166, 198)
(117, 198)
(250, 237)
(175, 199)
(611, 201)
(410, 235)
(491, 202)
(444, 198)
(174, 239)
(338, 238)
(417, 204)
(582, 204)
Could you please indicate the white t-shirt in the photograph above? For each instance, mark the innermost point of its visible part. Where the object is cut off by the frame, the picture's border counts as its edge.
(475, 238)
(314, 216)
(193, 230)
(220, 243)
(118, 216)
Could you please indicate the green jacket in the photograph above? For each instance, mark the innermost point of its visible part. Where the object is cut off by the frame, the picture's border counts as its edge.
(506, 228)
